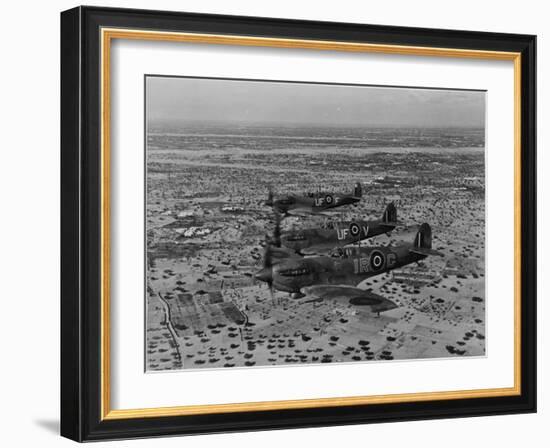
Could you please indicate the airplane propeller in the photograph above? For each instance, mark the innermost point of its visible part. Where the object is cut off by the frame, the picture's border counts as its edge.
(269, 201)
(266, 274)
(277, 230)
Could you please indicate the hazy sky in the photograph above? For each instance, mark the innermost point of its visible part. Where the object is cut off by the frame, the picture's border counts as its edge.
(187, 99)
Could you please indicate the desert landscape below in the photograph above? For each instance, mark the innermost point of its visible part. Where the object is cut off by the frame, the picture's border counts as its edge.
(206, 227)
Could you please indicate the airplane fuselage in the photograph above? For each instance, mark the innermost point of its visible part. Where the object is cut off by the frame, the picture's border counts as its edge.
(356, 265)
(314, 204)
(341, 234)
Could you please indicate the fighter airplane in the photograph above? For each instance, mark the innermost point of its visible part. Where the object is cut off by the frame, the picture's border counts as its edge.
(313, 203)
(339, 233)
(336, 277)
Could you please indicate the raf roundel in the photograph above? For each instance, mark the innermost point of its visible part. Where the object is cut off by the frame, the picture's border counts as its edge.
(377, 260)
(354, 229)
(329, 199)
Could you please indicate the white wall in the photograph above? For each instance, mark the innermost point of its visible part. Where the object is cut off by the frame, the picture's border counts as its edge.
(29, 186)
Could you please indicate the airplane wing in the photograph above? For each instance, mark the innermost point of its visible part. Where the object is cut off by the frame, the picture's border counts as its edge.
(307, 212)
(316, 251)
(426, 251)
(355, 296)
(392, 223)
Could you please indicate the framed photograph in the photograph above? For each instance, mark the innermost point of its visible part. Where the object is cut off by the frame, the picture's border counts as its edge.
(276, 224)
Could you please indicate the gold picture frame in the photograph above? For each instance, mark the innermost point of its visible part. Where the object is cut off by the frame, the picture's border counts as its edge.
(106, 32)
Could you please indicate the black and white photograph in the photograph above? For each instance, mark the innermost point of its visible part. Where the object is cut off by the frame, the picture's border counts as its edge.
(296, 220)
(303, 223)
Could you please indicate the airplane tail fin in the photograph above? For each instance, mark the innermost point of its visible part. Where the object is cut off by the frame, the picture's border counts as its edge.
(358, 190)
(423, 241)
(390, 214)
(423, 238)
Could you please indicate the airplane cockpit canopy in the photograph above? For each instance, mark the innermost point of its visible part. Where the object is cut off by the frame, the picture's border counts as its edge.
(337, 252)
(346, 252)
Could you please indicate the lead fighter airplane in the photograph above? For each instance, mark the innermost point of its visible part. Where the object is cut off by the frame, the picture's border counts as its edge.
(339, 233)
(335, 278)
(313, 203)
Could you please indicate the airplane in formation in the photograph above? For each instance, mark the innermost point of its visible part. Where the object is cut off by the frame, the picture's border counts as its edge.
(340, 233)
(336, 277)
(313, 203)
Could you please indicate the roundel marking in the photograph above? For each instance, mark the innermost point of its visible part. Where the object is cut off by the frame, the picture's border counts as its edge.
(354, 229)
(329, 199)
(377, 260)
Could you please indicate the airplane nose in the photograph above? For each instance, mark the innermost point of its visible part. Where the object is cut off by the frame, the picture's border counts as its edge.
(264, 275)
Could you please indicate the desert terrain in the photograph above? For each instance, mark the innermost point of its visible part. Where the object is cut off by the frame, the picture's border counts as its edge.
(206, 225)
